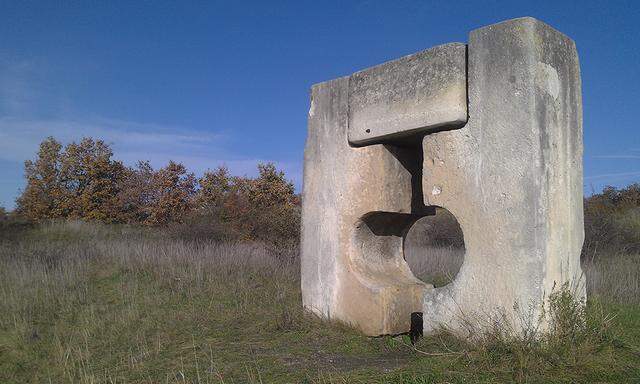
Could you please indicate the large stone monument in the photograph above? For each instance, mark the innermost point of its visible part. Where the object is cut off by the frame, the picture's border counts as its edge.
(490, 130)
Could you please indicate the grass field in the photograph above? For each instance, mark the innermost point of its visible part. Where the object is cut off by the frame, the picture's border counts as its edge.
(87, 303)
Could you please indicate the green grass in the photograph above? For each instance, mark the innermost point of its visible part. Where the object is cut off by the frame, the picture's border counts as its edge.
(93, 304)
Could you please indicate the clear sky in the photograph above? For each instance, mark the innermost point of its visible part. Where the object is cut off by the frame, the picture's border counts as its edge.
(211, 83)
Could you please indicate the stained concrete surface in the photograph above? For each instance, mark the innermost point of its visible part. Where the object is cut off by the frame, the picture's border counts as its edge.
(512, 176)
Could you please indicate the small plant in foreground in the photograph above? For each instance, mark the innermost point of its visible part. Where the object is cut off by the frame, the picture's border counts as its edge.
(579, 335)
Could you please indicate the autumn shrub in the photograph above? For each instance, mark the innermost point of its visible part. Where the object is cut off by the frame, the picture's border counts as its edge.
(274, 212)
(612, 221)
(173, 189)
(80, 181)
(89, 180)
(83, 181)
(42, 197)
(136, 193)
(265, 208)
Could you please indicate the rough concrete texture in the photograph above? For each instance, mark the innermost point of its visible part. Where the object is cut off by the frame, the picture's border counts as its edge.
(352, 264)
(416, 93)
(512, 176)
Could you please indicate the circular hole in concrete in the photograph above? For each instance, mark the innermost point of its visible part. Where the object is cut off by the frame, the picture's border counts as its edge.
(368, 130)
(434, 248)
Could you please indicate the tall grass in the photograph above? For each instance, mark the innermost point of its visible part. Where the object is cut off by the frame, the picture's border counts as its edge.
(73, 290)
(87, 303)
(613, 277)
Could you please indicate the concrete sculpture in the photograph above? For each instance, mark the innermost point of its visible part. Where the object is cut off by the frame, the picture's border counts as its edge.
(490, 130)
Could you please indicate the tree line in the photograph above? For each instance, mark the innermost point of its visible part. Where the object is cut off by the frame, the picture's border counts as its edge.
(83, 181)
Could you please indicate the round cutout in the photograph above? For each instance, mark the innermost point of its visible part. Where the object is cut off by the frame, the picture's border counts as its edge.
(434, 248)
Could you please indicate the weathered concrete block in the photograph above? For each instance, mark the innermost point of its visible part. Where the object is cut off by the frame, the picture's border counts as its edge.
(417, 93)
(355, 199)
(512, 176)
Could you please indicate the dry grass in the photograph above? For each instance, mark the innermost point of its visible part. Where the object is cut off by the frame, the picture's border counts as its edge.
(90, 304)
(614, 277)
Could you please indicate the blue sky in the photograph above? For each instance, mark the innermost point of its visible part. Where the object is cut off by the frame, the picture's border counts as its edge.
(211, 83)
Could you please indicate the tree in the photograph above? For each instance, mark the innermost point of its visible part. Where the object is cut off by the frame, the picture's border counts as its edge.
(43, 193)
(84, 182)
(271, 188)
(80, 182)
(136, 193)
(275, 213)
(173, 190)
(92, 180)
(230, 207)
(215, 187)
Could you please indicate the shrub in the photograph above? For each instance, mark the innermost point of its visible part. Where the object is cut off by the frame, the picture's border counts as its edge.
(172, 194)
(239, 208)
(82, 181)
(612, 221)
(79, 182)
(42, 197)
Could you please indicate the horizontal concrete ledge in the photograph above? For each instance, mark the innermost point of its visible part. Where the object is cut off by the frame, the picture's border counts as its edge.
(416, 93)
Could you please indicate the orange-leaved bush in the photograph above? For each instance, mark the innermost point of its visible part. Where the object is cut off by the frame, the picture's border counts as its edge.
(43, 194)
(83, 181)
(172, 192)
